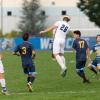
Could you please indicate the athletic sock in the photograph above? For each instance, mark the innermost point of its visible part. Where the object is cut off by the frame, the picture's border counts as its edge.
(60, 62)
(30, 79)
(3, 84)
(82, 75)
(64, 61)
(93, 69)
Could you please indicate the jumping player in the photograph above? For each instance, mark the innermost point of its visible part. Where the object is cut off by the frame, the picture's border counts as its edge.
(62, 29)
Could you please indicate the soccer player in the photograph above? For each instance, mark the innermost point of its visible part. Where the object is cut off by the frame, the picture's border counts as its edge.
(2, 78)
(81, 48)
(27, 54)
(95, 65)
(62, 29)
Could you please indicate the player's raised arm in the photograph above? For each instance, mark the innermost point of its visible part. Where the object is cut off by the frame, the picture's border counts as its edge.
(48, 29)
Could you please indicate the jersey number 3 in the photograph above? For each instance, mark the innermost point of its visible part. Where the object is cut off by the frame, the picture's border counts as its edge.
(81, 44)
(63, 28)
(23, 50)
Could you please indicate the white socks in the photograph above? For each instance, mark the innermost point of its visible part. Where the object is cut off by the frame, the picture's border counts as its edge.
(61, 62)
(63, 58)
(2, 82)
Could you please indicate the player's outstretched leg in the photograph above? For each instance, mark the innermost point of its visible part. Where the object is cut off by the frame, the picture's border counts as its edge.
(62, 65)
(2, 80)
(93, 70)
(3, 85)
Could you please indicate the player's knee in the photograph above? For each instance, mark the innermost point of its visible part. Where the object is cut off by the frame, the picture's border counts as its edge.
(1, 75)
(89, 65)
(55, 55)
(98, 67)
(60, 54)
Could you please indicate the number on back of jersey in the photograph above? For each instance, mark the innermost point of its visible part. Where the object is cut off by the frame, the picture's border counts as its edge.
(64, 28)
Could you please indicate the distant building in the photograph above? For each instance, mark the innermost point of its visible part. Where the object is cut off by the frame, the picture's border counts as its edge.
(54, 9)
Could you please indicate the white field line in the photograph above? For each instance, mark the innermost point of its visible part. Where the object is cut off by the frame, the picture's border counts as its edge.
(50, 93)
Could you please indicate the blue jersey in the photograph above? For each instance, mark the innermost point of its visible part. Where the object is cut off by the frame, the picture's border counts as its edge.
(80, 45)
(96, 48)
(25, 49)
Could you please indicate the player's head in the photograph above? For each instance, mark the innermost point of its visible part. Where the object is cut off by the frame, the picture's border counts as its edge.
(66, 18)
(25, 36)
(76, 34)
(98, 38)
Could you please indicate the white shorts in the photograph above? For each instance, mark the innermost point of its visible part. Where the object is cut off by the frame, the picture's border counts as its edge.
(1, 67)
(58, 46)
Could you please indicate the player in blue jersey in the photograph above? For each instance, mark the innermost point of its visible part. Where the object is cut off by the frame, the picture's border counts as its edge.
(27, 54)
(81, 48)
(95, 65)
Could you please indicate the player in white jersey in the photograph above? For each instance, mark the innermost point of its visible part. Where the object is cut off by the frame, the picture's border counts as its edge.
(62, 29)
(2, 78)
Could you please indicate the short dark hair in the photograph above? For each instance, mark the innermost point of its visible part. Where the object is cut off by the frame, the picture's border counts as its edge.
(25, 36)
(77, 32)
(97, 35)
(66, 19)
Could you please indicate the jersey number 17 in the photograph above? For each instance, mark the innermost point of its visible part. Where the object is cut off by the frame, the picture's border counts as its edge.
(81, 44)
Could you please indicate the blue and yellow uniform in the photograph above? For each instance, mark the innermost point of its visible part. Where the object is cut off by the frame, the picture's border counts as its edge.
(96, 61)
(80, 46)
(25, 49)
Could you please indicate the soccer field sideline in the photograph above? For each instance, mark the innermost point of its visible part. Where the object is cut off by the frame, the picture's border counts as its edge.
(62, 92)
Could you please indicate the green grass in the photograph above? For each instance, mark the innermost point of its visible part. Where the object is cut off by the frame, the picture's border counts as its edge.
(49, 85)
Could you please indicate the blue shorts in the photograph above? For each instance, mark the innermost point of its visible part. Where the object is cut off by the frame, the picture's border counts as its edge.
(28, 68)
(96, 62)
(80, 65)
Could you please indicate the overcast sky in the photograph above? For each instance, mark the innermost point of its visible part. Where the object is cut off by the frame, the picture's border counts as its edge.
(17, 3)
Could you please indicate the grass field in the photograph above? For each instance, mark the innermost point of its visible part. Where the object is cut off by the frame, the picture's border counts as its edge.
(49, 85)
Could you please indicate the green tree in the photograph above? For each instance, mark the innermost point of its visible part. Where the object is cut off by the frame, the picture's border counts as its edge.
(32, 21)
(92, 9)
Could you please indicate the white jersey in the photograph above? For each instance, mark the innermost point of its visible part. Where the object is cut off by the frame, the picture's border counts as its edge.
(62, 30)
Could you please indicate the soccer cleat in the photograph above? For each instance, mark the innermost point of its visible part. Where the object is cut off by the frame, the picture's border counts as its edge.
(86, 81)
(29, 85)
(5, 93)
(63, 73)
